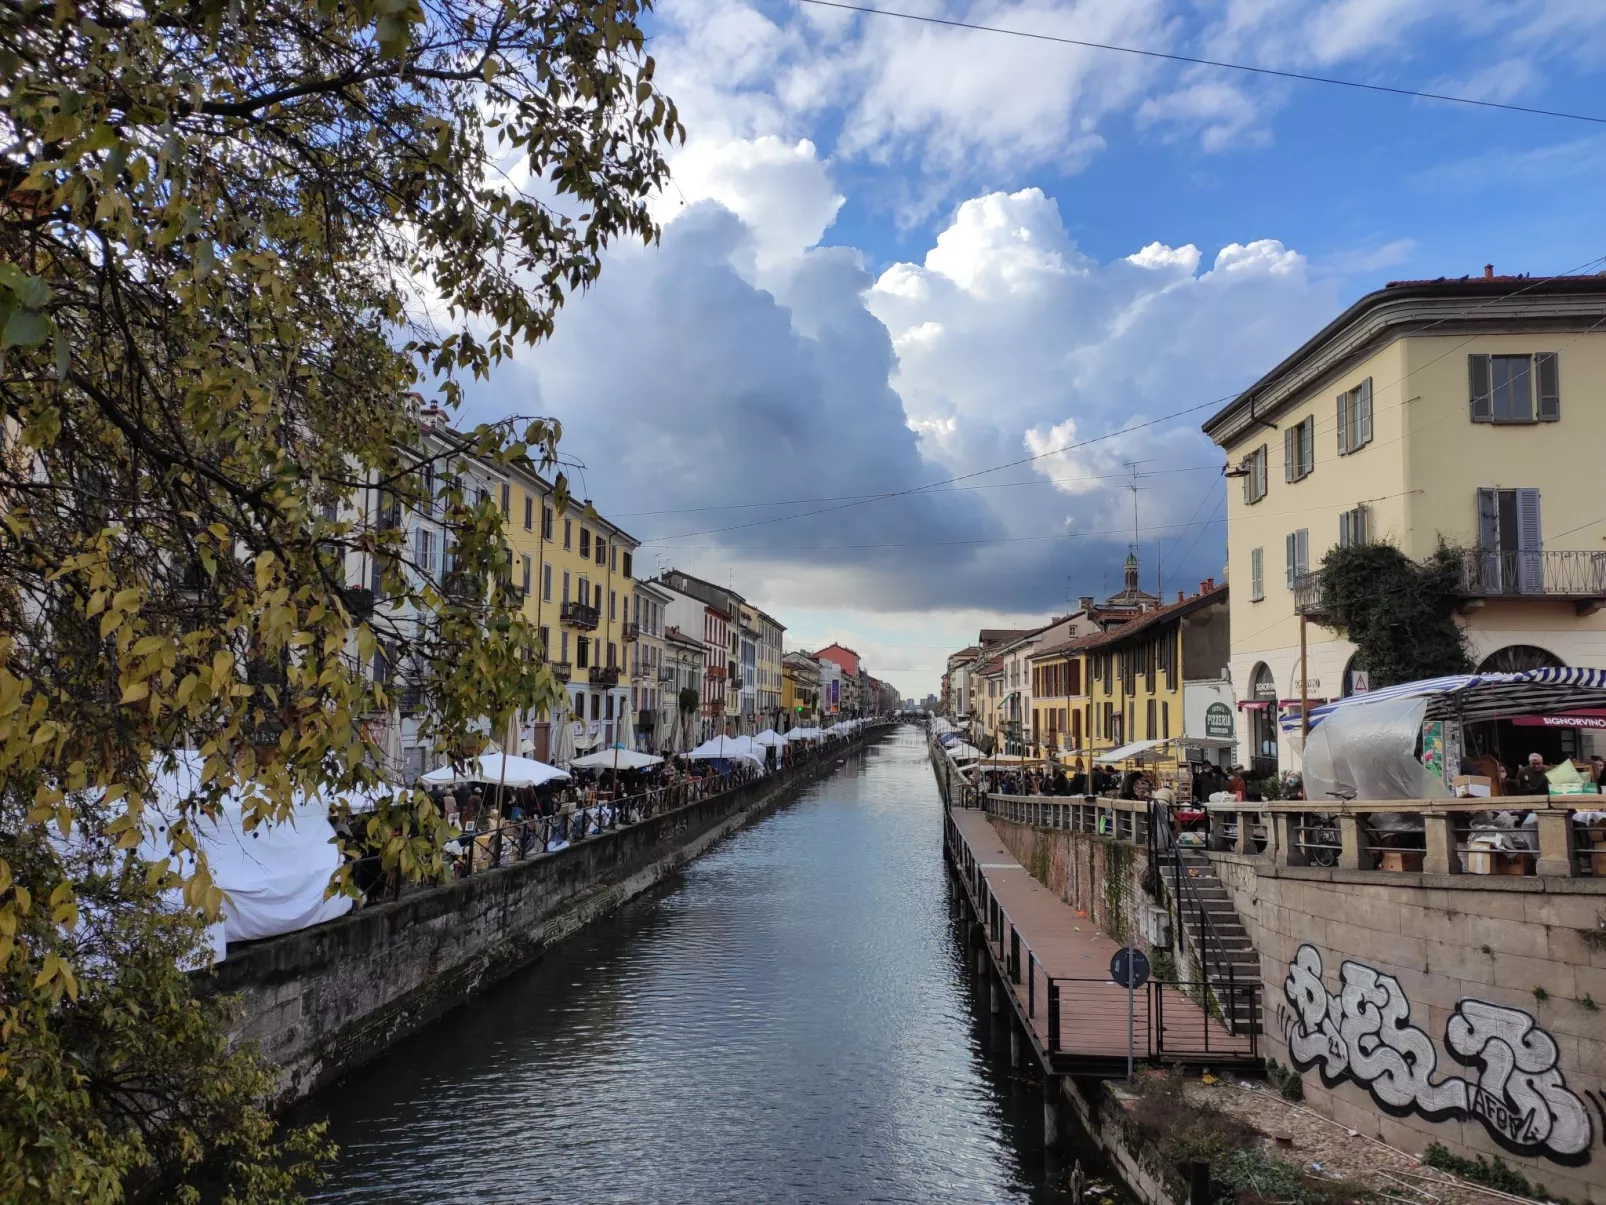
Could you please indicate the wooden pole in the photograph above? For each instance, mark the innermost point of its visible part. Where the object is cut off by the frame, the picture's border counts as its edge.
(1304, 689)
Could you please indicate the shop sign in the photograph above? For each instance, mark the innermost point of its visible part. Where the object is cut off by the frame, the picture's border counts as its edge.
(1218, 721)
(1265, 689)
(1594, 718)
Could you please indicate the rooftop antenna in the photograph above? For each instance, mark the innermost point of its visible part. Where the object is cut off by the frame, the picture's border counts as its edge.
(1134, 487)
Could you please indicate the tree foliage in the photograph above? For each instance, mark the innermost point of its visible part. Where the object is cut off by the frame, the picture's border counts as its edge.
(1399, 614)
(236, 241)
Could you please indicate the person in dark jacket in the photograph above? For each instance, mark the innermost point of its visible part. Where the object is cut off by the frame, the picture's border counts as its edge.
(1531, 778)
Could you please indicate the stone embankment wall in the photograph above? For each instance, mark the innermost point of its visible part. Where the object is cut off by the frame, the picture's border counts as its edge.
(324, 1000)
(1467, 1010)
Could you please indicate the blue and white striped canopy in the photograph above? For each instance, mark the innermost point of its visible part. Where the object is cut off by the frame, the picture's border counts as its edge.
(1483, 696)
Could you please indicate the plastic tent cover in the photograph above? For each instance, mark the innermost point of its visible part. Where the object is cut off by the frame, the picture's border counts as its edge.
(769, 737)
(1370, 753)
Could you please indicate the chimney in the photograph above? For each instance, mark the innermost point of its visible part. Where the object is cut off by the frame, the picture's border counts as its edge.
(1488, 271)
(1085, 603)
(1179, 596)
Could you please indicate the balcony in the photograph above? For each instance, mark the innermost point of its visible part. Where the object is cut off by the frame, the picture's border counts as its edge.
(629, 632)
(578, 615)
(561, 670)
(716, 672)
(1569, 576)
(605, 675)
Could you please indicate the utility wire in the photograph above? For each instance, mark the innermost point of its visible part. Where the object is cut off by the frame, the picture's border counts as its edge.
(1302, 76)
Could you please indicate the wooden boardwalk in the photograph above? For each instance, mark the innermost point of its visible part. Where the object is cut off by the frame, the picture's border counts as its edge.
(1057, 967)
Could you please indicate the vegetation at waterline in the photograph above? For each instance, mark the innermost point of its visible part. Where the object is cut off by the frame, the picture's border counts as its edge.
(235, 242)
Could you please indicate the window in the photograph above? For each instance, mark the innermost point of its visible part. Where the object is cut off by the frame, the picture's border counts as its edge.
(602, 551)
(585, 592)
(1503, 387)
(1354, 527)
(546, 522)
(582, 652)
(585, 542)
(424, 550)
(529, 513)
(568, 533)
(1149, 719)
(1510, 541)
(1355, 418)
(565, 585)
(613, 604)
(1165, 721)
(596, 707)
(613, 654)
(546, 583)
(507, 503)
(526, 561)
(1297, 548)
(546, 641)
(1299, 449)
(481, 496)
(563, 646)
(628, 567)
(1254, 471)
(1257, 575)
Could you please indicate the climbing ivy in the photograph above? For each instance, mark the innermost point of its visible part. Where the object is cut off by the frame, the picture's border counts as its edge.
(1399, 613)
(1117, 877)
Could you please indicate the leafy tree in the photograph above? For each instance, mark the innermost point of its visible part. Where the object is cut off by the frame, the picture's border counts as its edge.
(236, 240)
(1399, 614)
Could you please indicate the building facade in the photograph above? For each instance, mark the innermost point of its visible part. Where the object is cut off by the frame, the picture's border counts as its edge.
(654, 706)
(1431, 410)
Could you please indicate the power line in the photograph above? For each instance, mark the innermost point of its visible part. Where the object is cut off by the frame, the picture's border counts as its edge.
(1302, 76)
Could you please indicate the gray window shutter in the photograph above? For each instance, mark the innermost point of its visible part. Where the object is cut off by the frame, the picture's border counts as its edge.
(1362, 526)
(1530, 544)
(1343, 424)
(1307, 446)
(1488, 519)
(1478, 383)
(1291, 555)
(1363, 415)
(1257, 573)
(1344, 528)
(1548, 370)
(1261, 459)
(1303, 548)
(1290, 452)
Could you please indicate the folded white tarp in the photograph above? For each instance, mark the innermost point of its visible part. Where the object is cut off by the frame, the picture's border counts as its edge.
(496, 768)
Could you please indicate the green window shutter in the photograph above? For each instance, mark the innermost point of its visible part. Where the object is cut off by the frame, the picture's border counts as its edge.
(1548, 370)
(1481, 391)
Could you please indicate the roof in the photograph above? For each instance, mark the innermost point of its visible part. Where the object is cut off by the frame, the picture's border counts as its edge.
(1140, 624)
(1491, 304)
(995, 666)
(999, 635)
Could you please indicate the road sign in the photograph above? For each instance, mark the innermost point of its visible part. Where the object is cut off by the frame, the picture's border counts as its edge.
(1130, 961)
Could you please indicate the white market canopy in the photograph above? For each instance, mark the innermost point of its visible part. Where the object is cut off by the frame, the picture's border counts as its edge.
(964, 752)
(610, 759)
(1472, 697)
(769, 738)
(723, 747)
(804, 734)
(496, 768)
(1135, 749)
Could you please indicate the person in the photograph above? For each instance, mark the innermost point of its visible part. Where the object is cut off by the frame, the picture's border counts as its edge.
(471, 813)
(1237, 787)
(449, 809)
(1531, 778)
(1597, 772)
(1078, 785)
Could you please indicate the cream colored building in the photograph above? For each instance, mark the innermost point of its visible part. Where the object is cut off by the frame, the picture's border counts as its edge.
(1470, 410)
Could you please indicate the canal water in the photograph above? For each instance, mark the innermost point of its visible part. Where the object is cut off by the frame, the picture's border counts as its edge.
(790, 1019)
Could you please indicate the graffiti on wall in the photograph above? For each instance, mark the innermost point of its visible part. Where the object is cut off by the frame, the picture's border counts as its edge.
(1364, 1034)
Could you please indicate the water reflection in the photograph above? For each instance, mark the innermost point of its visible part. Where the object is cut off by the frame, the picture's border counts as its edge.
(789, 1020)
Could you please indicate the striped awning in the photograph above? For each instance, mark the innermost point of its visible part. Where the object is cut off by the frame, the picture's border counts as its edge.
(1483, 696)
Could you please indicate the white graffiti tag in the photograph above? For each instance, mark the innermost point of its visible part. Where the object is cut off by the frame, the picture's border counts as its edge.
(1365, 1034)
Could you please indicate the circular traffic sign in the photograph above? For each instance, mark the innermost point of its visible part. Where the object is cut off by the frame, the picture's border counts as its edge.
(1130, 963)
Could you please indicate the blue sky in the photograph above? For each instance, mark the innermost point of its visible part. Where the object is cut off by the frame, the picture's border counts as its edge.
(896, 254)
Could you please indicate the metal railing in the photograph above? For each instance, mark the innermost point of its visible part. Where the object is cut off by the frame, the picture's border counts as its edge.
(604, 675)
(1220, 991)
(579, 615)
(1563, 574)
(1308, 594)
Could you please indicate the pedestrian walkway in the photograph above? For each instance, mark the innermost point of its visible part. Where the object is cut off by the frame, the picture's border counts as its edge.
(1057, 967)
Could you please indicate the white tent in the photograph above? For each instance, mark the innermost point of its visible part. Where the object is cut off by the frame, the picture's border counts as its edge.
(769, 738)
(963, 752)
(804, 734)
(272, 877)
(727, 747)
(496, 768)
(608, 759)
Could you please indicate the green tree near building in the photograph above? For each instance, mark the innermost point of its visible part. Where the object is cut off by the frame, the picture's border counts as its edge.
(1399, 613)
(235, 241)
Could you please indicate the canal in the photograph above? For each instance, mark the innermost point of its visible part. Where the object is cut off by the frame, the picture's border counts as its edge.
(789, 1019)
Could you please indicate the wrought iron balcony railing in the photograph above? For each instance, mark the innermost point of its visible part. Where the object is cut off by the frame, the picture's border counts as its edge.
(578, 615)
(1569, 575)
(605, 675)
(629, 631)
(561, 670)
(1308, 594)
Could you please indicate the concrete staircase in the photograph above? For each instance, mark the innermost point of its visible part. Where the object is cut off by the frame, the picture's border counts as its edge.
(1217, 944)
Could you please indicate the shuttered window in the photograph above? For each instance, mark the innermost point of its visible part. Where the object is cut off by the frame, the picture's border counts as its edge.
(1354, 527)
(1297, 550)
(1504, 389)
(1355, 418)
(1299, 449)
(1257, 574)
(1510, 541)
(1254, 470)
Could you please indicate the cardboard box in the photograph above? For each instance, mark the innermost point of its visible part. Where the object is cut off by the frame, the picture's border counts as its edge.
(1401, 860)
(1479, 860)
(1514, 863)
(1472, 786)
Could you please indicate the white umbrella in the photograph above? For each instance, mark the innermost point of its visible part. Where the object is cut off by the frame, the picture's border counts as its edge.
(496, 768)
(608, 759)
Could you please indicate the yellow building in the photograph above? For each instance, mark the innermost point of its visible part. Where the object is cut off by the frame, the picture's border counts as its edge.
(1134, 677)
(1467, 410)
(577, 575)
(1059, 697)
